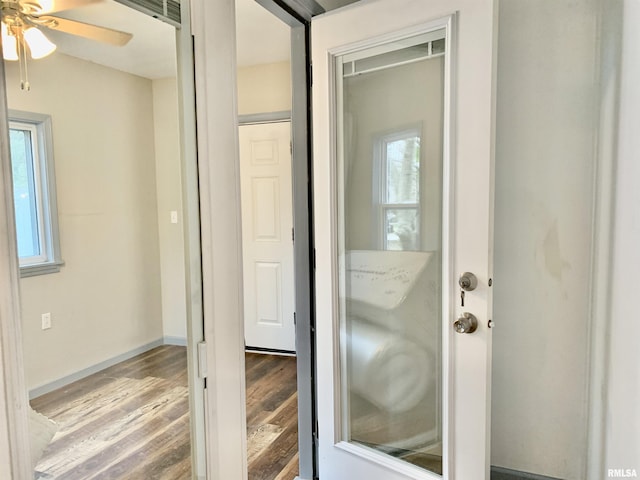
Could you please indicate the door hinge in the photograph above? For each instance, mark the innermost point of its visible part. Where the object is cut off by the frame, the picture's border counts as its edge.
(293, 235)
(294, 319)
(202, 360)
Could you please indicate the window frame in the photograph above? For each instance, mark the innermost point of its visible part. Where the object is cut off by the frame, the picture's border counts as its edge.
(49, 260)
(380, 183)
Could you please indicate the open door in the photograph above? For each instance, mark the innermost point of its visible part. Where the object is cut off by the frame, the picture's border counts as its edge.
(403, 150)
(267, 240)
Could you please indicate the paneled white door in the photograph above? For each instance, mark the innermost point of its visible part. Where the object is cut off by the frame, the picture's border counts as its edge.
(403, 110)
(267, 229)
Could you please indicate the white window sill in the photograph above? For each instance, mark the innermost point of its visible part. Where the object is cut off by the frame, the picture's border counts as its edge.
(40, 269)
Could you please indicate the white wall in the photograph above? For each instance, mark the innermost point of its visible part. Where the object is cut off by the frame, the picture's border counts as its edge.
(623, 412)
(546, 130)
(169, 195)
(106, 298)
(264, 88)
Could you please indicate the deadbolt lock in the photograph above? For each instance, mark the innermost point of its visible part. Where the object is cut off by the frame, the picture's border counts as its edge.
(468, 281)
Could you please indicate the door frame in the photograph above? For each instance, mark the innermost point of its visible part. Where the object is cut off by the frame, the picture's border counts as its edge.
(213, 25)
(15, 462)
(192, 244)
(297, 14)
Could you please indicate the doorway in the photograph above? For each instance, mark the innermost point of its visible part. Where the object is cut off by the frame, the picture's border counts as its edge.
(118, 299)
(268, 241)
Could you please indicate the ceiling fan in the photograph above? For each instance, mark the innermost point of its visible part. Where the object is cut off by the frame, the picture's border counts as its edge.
(23, 20)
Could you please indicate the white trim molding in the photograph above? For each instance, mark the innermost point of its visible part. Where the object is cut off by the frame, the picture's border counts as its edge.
(267, 117)
(610, 24)
(218, 161)
(622, 421)
(178, 341)
(14, 434)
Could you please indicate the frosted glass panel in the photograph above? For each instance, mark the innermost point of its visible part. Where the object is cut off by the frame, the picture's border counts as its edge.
(390, 205)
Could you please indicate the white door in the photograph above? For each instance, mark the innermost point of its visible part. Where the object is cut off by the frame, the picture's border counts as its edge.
(267, 242)
(403, 146)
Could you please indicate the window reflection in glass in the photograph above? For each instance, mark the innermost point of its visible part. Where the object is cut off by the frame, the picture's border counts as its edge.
(403, 170)
(400, 196)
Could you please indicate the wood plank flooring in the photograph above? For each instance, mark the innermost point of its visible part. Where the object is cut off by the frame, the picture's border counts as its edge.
(131, 421)
(272, 417)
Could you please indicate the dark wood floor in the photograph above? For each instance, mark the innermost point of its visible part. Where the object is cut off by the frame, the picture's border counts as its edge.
(272, 417)
(131, 421)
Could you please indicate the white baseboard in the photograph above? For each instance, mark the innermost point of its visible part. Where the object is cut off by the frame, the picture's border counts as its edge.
(500, 473)
(85, 372)
(179, 341)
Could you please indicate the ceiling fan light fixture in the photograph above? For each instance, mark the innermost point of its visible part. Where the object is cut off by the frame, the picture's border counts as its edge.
(9, 45)
(39, 45)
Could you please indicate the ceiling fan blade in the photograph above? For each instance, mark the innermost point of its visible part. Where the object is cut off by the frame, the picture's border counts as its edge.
(44, 7)
(87, 30)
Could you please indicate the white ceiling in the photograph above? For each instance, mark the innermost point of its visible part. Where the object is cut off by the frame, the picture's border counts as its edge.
(260, 36)
(151, 53)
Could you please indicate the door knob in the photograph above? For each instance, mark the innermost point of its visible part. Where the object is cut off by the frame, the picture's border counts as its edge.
(467, 323)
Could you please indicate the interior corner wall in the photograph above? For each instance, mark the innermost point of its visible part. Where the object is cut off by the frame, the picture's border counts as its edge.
(545, 164)
(264, 88)
(105, 300)
(169, 195)
(622, 435)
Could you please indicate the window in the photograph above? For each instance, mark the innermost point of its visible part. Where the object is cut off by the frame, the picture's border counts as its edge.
(398, 190)
(34, 195)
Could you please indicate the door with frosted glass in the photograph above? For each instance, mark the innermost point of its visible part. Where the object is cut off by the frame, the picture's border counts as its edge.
(402, 162)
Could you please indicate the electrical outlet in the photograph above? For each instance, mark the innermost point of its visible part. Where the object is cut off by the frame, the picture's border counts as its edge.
(46, 321)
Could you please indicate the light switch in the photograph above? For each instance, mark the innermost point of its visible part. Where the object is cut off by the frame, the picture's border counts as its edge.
(174, 216)
(46, 321)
